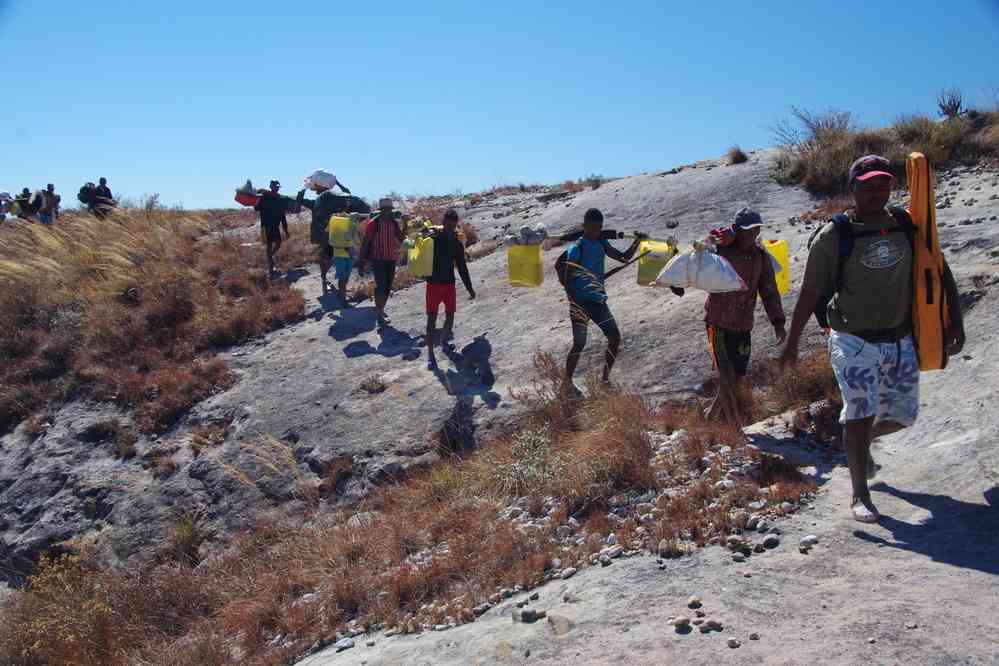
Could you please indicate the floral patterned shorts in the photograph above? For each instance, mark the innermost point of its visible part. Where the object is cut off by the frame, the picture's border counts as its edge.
(876, 379)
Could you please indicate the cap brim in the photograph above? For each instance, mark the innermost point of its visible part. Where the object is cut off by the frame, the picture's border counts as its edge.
(751, 225)
(874, 174)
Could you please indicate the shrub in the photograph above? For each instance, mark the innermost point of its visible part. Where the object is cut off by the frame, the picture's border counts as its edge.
(950, 103)
(735, 155)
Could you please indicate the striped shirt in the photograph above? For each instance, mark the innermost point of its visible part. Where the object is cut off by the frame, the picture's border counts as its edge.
(382, 238)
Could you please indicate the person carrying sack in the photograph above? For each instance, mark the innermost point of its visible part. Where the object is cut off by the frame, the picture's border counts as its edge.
(858, 283)
(729, 316)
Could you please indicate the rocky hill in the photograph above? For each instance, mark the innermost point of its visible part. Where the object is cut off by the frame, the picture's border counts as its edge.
(325, 410)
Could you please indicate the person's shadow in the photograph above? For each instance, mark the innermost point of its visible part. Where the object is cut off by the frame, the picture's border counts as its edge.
(957, 533)
(295, 274)
(473, 375)
(393, 343)
(352, 322)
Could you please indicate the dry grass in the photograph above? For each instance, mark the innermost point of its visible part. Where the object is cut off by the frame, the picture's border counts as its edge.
(736, 155)
(428, 552)
(817, 149)
(128, 309)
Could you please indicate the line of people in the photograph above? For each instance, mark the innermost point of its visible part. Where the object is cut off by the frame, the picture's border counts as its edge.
(45, 205)
(862, 296)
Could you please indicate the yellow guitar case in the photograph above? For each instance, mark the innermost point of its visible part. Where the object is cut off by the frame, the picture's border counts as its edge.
(930, 312)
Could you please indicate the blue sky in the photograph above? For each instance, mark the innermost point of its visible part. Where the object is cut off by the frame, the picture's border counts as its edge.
(189, 99)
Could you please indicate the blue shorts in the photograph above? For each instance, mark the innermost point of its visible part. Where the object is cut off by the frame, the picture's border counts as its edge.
(343, 266)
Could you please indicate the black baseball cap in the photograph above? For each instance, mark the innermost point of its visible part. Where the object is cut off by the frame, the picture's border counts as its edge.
(747, 218)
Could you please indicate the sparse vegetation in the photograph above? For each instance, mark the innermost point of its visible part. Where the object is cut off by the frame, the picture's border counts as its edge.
(129, 309)
(735, 155)
(429, 548)
(816, 149)
(950, 103)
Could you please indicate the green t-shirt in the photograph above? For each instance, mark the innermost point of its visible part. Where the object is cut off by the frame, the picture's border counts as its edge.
(876, 291)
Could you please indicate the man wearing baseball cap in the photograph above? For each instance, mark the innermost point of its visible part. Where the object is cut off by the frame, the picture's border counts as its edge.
(729, 317)
(869, 311)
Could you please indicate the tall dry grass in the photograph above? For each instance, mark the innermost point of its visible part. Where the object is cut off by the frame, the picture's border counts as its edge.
(817, 148)
(128, 309)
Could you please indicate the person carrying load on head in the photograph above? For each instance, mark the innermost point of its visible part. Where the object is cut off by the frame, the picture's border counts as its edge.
(581, 271)
(272, 208)
(858, 281)
(380, 249)
(729, 316)
(24, 205)
(324, 206)
(449, 253)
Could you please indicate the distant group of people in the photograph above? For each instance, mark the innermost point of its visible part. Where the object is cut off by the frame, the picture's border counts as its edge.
(45, 205)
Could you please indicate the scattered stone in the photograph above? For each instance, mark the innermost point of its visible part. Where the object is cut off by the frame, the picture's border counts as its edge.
(697, 621)
(605, 561)
(343, 644)
(911, 625)
(754, 636)
(560, 625)
(611, 539)
(752, 523)
(786, 508)
(699, 613)
(694, 602)
(803, 550)
(568, 573)
(521, 604)
(681, 622)
(534, 597)
(715, 625)
(809, 541)
(759, 548)
(527, 615)
(771, 541)
(734, 643)
(738, 557)
(762, 526)
(370, 643)
(872, 640)
(481, 608)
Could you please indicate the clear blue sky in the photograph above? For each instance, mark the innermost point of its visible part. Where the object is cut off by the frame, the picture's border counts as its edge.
(188, 99)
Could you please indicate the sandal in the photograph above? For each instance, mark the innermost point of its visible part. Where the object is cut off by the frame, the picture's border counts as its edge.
(864, 511)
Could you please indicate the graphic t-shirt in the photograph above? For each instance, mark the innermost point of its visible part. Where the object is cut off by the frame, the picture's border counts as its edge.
(876, 292)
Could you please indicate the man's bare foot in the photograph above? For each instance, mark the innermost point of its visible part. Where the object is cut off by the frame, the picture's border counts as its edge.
(864, 510)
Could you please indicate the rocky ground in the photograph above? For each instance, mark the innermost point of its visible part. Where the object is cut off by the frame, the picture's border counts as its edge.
(328, 408)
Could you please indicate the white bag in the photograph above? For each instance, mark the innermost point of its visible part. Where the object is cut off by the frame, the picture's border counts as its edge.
(322, 178)
(701, 269)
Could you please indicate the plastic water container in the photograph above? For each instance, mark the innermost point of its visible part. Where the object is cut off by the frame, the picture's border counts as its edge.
(649, 266)
(421, 257)
(778, 249)
(525, 265)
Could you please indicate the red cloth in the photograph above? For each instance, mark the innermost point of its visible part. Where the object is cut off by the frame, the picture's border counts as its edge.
(382, 238)
(441, 293)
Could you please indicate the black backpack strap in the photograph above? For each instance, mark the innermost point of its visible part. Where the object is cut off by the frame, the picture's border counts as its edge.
(844, 234)
(905, 223)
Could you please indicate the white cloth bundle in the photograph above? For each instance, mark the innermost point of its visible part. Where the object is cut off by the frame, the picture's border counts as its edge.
(321, 178)
(701, 269)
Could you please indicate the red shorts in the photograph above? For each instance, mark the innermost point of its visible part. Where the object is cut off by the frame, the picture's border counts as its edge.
(441, 293)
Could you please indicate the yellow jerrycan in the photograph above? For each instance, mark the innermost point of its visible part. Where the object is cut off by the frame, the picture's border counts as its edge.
(421, 257)
(656, 255)
(524, 263)
(778, 249)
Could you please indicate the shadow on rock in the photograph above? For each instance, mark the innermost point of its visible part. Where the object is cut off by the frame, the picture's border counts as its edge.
(351, 323)
(295, 274)
(393, 343)
(957, 533)
(473, 375)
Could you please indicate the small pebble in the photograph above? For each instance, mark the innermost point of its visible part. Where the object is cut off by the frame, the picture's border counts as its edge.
(872, 640)
(911, 625)
(568, 573)
(809, 541)
(754, 636)
(734, 643)
(738, 557)
(694, 602)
